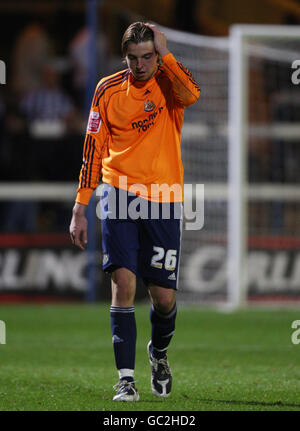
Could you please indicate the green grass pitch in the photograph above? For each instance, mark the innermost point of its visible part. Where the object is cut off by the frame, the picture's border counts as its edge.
(60, 357)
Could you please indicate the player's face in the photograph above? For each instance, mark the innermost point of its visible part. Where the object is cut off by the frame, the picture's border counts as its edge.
(142, 60)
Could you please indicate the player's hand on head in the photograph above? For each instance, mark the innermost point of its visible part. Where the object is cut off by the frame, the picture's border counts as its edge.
(160, 40)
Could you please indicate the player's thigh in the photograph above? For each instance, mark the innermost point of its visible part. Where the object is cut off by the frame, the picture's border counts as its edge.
(160, 242)
(120, 237)
(119, 245)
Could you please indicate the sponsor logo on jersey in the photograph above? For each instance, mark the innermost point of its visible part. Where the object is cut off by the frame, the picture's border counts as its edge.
(172, 276)
(94, 122)
(149, 105)
(144, 125)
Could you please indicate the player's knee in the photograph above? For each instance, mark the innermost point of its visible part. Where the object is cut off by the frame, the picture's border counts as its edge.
(123, 278)
(123, 295)
(164, 304)
(123, 287)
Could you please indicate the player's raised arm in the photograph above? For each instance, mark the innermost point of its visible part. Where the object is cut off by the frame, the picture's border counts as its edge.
(185, 88)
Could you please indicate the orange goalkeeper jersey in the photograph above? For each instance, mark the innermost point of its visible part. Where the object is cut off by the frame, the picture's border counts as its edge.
(134, 132)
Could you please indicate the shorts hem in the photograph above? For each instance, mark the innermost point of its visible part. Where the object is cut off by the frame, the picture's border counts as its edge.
(148, 280)
(111, 267)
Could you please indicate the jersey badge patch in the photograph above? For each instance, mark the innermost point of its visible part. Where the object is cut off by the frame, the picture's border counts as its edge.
(94, 122)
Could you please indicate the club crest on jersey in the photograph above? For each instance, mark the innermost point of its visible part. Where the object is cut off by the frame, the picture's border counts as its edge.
(149, 106)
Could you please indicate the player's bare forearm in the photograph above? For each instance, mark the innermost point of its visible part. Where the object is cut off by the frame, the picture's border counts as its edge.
(79, 209)
(78, 226)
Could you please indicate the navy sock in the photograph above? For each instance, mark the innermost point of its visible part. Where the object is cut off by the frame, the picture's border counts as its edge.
(163, 328)
(123, 329)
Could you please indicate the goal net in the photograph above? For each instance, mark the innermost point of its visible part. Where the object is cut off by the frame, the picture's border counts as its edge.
(204, 252)
(241, 140)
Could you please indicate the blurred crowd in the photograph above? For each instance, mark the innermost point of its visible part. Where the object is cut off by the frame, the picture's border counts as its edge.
(43, 112)
(44, 116)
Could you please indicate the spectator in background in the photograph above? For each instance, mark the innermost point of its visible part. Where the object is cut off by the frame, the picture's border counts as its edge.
(30, 53)
(80, 61)
(52, 120)
(32, 50)
(45, 148)
(48, 102)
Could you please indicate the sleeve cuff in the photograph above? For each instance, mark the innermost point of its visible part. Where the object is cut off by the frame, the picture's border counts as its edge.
(83, 196)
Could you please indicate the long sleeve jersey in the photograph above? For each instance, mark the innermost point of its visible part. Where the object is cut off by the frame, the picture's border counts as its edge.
(134, 132)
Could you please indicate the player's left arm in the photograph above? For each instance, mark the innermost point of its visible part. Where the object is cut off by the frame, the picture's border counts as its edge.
(185, 88)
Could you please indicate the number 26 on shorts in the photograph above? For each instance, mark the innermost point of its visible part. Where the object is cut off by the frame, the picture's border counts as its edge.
(170, 258)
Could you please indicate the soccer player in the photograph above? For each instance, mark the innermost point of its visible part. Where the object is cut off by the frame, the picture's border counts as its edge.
(133, 143)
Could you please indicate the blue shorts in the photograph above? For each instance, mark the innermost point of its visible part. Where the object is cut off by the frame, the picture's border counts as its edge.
(144, 239)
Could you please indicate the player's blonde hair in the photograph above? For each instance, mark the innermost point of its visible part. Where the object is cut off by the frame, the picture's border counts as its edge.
(137, 32)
